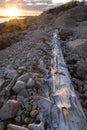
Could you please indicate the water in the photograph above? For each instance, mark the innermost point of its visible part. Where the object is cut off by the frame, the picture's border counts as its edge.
(2, 20)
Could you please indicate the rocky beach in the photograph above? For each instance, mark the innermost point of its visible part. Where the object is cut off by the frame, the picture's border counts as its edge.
(26, 65)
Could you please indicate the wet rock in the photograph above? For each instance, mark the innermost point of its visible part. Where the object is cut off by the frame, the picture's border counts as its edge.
(9, 110)
(19, 86)
(16, 127)
(34, 113)
(2, 126)
(24, 77)
(30, 83)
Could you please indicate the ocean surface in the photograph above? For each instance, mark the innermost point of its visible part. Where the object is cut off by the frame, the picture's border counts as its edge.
(2, 20)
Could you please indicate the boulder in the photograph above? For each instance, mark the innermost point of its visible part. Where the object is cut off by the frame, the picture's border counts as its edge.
(9, 110)
(79, 46)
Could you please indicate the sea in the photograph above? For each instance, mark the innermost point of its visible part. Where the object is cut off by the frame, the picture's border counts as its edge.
(2, 20)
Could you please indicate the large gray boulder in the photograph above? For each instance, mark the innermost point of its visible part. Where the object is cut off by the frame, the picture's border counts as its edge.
(79, 46)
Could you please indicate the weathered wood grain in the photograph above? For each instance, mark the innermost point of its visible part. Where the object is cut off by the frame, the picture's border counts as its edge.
(60, 109)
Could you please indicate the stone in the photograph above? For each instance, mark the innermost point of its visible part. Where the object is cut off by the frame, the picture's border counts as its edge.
(34, 113)
(9, 110)
(18, 119)
(20, 98)
(1, 83)
(24, 93)
(30, 83)
(36, 127)
(10, 73)
(24, 77)
(19, 86)
(85, 95)
(22, 68)
(81, 70)
(28, 107)
(65, 33)
(15, 127)
(2, 126)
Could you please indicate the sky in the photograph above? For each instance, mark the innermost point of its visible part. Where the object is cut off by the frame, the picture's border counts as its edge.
(30, 5)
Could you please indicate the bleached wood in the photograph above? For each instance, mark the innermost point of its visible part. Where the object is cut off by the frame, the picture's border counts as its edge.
(61, 109)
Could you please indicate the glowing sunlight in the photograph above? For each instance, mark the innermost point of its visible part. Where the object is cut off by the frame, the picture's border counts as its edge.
(11, 12)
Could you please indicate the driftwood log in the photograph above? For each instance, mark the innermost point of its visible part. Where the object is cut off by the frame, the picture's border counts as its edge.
(60, 109)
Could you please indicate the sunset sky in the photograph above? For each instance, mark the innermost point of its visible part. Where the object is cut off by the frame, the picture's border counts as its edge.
(26, 7)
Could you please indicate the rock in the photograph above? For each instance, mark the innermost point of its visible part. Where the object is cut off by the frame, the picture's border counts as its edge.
(34, 113)
(16, 127)
(22, 68)
(20, 98)
(1, 83)
(10, 73)
(36, 127)
(28, 107)
(24, 77)
(18, 119)
(9, 110)
(85, 95)
(65, 33)
(19, 86)
(26, 120)
(2, 126)
(24, 93)
(79, 46)
(81, 70)
(30, 83)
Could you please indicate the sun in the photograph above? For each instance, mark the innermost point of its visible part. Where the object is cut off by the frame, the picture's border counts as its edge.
(12, 12)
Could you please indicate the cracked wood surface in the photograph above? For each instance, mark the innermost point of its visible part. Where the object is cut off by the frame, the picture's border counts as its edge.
(60, 109)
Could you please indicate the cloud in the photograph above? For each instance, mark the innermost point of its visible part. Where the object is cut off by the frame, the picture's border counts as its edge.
(28, 5)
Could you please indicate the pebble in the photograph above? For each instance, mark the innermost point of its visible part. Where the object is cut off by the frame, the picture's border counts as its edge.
(9, 110)
(34, 113)
(19, 86)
